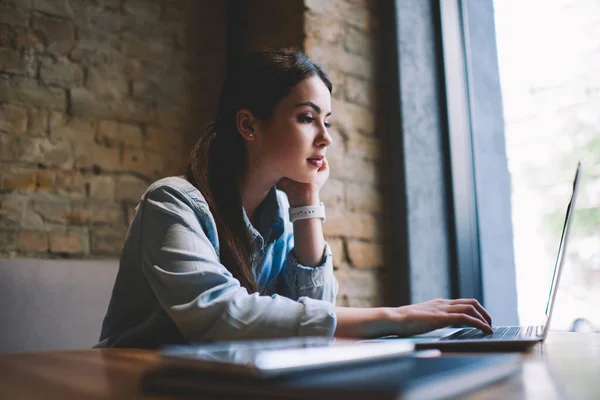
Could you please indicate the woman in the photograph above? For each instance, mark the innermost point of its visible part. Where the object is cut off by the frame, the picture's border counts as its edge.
(216, 256)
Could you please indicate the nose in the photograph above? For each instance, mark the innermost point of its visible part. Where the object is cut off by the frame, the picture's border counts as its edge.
(324, 139)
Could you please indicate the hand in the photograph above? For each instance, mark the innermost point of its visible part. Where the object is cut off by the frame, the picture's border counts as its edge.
(434, 314)
(304, 194)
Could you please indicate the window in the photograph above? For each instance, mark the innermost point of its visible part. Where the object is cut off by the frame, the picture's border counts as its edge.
(550, 77)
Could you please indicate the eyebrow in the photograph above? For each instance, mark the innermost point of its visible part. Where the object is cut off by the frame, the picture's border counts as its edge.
(313, 105)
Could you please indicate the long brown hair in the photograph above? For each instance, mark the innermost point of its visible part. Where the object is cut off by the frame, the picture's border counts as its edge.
(257, 82)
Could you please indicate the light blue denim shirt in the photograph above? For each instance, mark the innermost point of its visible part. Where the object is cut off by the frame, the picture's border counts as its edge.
(172, 288)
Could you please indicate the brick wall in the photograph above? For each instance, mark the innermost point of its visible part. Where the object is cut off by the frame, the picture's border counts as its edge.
(97, 99)
(342, 36)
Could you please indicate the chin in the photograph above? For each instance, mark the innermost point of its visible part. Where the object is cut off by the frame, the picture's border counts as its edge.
(303, 176)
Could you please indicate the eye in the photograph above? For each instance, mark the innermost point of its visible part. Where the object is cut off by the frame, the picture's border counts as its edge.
(305, 119)
(327, 125)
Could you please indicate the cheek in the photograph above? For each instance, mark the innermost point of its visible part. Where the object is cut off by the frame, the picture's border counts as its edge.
(287, 140)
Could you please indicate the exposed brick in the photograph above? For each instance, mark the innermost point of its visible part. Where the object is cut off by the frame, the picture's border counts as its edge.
(363, 197)
(33, 241)
(93, 212)
(90, 154)
(13, 119)
(19, 178)
(131, 211)
(38, 122)
(351, 117)
(12, 210)
(365, 302)
(29, 40)
(366, 147)
(350, 224)
(107, 240)
(45, 180)
(69, 242)
(10, 147)
(13, 16)
(359, 43)
(164, 140)
(60, 8)
(357, 283)
(332, 193)
(5, 35)
(78, 129)
(58, 34)
(102, 187)
(365, 254)
(48, 151)
(10, 61)
(70, 183)
(324, 28)
(172, 117)
(108, 81)
(8, 239)
(360, 92)
(147, 10)
(85, 103)
(30, 63)
(95, 51)
(355, 169)
(31, 219)
(129, 188)
(145, 162)
(337, 249)
(57, 210)
(61, 72)
(30, 92)
(114, 133)
(142, 49)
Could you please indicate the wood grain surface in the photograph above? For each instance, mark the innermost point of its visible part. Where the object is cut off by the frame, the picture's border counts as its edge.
(566, 366)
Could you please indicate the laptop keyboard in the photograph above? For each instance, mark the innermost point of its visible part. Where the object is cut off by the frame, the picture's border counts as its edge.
(500, 333)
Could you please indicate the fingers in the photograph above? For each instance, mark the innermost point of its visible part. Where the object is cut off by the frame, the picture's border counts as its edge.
(477, 306)
(469, 310)
(465, 319)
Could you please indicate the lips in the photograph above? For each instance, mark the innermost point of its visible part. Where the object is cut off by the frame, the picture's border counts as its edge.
(317, 161)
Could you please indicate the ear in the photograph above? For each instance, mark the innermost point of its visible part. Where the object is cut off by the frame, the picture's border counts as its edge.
(246, 124)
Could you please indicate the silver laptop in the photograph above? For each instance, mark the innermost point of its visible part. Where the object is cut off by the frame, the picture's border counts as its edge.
(512, 337)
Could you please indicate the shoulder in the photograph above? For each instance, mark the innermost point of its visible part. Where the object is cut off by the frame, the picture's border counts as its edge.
(181, 202)
(178, 186)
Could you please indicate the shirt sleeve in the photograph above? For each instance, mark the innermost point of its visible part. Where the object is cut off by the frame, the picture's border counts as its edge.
(199, 294)
(298, 281)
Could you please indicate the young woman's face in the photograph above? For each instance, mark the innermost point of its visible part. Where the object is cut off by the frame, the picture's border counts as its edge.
(294, 141)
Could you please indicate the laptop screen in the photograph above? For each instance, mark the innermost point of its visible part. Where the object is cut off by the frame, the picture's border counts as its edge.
(561, 248)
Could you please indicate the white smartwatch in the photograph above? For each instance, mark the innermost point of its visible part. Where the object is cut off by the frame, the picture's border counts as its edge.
(298, 213)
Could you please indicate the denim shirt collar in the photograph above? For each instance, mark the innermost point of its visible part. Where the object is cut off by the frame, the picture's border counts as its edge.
(269, 220)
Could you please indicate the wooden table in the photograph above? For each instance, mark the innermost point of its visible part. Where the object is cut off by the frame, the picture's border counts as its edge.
(567, 365)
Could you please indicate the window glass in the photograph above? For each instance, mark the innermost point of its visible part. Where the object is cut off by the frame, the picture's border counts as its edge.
(549, 59)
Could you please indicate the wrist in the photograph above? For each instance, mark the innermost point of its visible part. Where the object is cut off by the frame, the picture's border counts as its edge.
(307, 199)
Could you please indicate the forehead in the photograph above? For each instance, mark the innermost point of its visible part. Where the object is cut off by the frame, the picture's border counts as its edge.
(312, 89)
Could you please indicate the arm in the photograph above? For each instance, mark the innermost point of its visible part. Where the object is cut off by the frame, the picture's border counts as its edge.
(412, 319)
(298, 279)
(308, 233)
(199, 294)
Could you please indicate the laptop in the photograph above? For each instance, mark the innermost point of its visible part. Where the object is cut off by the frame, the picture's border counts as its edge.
(510, 337)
